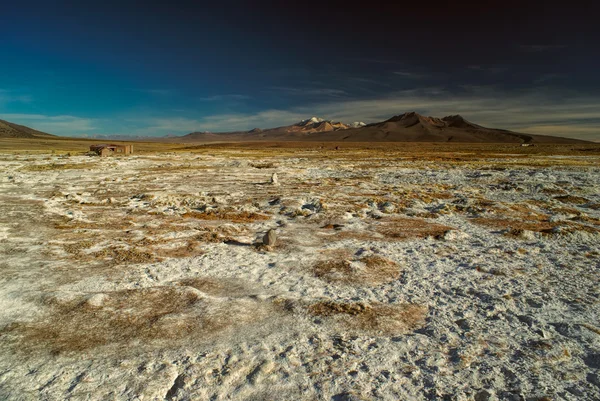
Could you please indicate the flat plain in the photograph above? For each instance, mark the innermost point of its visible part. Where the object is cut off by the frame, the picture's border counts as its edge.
(405, 271)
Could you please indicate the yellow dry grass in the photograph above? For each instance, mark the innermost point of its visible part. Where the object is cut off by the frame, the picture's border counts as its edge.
(57, 166)
(375, 317)
(235, 217)
(503, 223)
(398, 228)
(117, 255)
(370, 270)
(120, 318)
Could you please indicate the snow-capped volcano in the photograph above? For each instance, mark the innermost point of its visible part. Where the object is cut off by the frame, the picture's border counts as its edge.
(317, 124)
(309, 121)
(357, 124)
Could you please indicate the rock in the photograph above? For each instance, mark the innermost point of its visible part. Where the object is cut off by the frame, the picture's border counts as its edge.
(270, 238)
(463, 324)
(482, 395)
(453, 235)
(520, 234)
(388, 207)
(97, 300)
(274, 179)
(528, 320)
(594, 379)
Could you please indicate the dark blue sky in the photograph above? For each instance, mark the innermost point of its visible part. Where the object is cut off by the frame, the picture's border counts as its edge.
(133, 68)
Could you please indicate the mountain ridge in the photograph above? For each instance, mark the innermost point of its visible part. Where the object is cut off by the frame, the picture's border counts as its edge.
(12, 130)
(405, 127)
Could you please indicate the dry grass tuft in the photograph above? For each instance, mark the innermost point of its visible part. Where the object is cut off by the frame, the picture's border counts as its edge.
(119, 318)
(235, 217)
(125, 255)
(370, 270)
(263, 165)
(577, 200)
(114, 224)
(406, 228)
(517, 225)
(216, 235)
(77, 247)
(376, 317)
(57, 166)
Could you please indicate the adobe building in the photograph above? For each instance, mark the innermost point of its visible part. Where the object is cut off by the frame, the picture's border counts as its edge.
(104, 149)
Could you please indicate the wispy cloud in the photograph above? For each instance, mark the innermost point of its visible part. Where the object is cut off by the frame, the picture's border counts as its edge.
(537, 48)
(531, 112)
(8, 96)
(537, 112)
(490, 69)
(548, 77)
(409, 75)
(218, 98)
(331, 92)
(59, 125)
(157, 92)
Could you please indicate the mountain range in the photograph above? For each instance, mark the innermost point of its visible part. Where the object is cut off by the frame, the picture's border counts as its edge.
(11, 130)
(407, 127)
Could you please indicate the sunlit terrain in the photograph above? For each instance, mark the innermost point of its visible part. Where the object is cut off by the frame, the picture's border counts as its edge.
(436, 273)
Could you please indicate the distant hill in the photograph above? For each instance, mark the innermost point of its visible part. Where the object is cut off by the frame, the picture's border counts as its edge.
(407, 127)
(11, 130)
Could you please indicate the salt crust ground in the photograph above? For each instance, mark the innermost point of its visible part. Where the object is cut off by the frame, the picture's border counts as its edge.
(140, 278)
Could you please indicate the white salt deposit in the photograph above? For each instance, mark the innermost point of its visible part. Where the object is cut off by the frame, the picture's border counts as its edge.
(140, 278)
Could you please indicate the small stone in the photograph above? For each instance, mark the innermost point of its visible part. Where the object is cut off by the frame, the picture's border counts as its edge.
(274, 179)
(97, 300)
(452, 235)
(388, 207)
(482, 395)
(463, 324)
(270, 238)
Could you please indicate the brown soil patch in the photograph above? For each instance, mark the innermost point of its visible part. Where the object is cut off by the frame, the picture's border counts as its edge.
(213, 235)
(235, 217)
(58, 166)
(406, 228)
(505, 223)
(544, 227)
(370, 270)
(140, 315)
(125, 255)
(577, 200)
(376, 317)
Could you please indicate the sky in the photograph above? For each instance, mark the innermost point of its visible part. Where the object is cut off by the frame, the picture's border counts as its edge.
(170, 68)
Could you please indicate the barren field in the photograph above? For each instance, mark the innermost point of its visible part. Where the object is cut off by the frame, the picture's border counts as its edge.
(434, 275)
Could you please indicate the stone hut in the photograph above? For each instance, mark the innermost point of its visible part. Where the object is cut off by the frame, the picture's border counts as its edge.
(105, 149)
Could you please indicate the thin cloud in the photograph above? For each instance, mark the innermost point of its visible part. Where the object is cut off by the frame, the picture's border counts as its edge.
(8, 96)
(157, 92)
(548, 77)
(518, 112)
(409, 75)
(493, 69)
(536, 112)
(218, 98)
(60, 125)
(331, 92)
